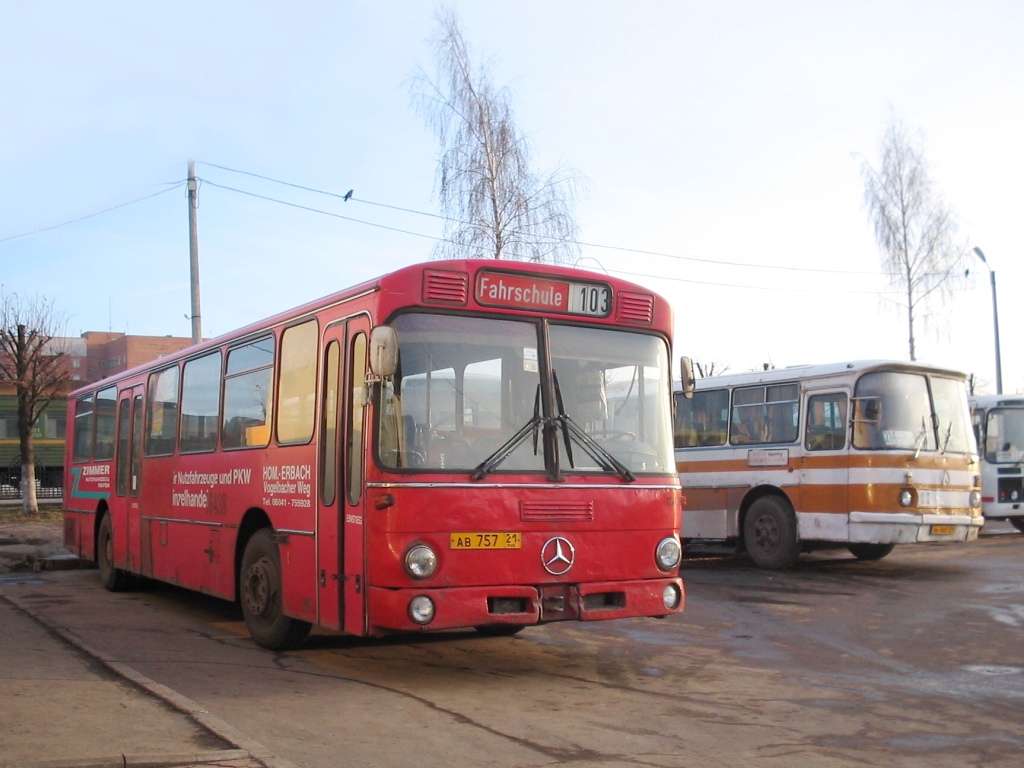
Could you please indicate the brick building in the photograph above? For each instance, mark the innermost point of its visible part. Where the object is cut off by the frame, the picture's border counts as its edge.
(94, 356)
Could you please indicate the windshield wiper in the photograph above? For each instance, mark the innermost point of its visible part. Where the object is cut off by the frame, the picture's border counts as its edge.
(949, 434)
(596, 451)
(532, 426)
(919, 441)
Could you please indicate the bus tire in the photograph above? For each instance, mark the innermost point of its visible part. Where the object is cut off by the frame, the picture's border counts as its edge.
(112, 579)
(261, 598)
(864, 551)
(1017, 522)
(769, 534)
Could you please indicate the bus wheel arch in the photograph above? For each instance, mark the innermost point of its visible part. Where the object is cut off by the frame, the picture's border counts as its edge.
(260, 590)
(769, 530)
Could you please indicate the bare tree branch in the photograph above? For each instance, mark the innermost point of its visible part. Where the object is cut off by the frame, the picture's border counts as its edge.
(33, 363)
(496, 205)
(914, 228)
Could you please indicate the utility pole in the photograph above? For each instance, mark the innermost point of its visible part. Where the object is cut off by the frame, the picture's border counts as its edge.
(193, 250)
(995, 319)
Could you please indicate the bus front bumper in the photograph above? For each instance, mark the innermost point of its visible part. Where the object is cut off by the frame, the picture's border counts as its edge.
(457, 607)
(909, 527)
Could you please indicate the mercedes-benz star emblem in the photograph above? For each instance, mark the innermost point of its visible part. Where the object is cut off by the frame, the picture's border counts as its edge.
(557, 556)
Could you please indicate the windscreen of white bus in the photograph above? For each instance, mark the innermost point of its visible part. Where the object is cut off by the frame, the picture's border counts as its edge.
(1004, 435)
(893, 410)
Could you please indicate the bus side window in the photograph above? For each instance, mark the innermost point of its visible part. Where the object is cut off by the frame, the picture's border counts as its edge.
(162, 412)
(826, 422)
(248, 401)
(703, 419)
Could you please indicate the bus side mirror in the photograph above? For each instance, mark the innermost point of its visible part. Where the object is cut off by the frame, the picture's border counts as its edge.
(383, 351)
(686, 376)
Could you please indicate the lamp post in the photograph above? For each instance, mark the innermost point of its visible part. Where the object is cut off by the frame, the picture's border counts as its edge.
(995, 320)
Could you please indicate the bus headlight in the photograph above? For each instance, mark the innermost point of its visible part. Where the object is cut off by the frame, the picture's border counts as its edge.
(906, 497)
(975, 499)
(668, 554)
(420, 561)
(671, 597)
(421, 609)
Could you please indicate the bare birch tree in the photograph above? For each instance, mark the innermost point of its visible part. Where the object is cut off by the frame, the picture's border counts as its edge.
(32, 362)
(914, 228)
(495, 205)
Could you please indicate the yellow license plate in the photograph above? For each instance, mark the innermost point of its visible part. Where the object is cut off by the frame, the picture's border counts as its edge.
(943, 530)
(504, 540)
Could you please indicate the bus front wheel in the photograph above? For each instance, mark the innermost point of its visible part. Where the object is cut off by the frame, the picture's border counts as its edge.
(113, 579)
(261, 598)
(769, 534)
(870, 551)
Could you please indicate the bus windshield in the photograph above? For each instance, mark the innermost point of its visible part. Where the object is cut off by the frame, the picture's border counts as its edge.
(894, 411)
(468, 392)
(1004, 436)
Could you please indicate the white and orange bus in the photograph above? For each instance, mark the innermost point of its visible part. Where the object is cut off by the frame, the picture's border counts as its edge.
(864, 455)
(432, 449)
(999, 427)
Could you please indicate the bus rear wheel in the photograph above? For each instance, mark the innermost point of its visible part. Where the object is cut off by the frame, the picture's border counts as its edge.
(261, 598)
(769, 534)
(864, 551)
(1018, 523)
(113, 579)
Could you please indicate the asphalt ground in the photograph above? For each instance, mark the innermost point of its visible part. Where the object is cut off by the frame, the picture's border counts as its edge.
(63, 705)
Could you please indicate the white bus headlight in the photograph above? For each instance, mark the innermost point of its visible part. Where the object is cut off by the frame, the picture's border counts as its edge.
(671, 597)
(420, 561)
(975, 499)
(668, 554)
(906, 497)
(421, 609)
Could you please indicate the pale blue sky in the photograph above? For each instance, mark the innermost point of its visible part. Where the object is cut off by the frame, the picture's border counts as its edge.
(717, 134)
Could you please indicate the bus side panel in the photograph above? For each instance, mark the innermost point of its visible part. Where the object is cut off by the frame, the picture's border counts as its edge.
(192, 508)
(87, 489)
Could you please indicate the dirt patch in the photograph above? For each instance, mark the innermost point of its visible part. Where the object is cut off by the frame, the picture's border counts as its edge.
(24, 541)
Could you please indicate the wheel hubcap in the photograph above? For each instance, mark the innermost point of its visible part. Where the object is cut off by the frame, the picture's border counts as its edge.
(257, 588)
(766, 534)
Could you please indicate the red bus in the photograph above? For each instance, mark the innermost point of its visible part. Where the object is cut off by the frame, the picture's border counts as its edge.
(459, 444)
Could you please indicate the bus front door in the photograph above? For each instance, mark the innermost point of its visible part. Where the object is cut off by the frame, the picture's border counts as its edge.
(340, 534)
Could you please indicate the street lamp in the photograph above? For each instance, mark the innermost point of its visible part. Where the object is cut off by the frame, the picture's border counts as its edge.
(995, 320)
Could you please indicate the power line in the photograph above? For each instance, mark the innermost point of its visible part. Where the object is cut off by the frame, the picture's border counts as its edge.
(346, 197)
(574, 242)
(174, 185)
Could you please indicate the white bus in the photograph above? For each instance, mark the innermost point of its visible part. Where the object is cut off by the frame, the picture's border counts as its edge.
(864, 455)
(999, 427)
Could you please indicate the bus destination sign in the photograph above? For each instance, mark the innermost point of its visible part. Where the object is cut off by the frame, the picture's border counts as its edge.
(501, 289)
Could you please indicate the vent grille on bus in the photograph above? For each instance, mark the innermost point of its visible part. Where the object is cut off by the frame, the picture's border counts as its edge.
(635, 308)
(440, 287)
(548, 511)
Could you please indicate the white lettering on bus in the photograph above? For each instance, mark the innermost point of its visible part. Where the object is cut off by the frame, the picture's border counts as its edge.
(189, 499)
(531, 295)
(99, 469)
